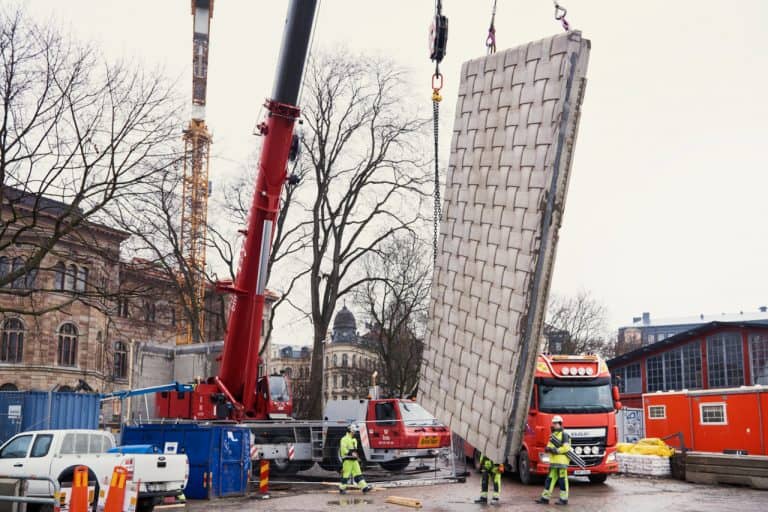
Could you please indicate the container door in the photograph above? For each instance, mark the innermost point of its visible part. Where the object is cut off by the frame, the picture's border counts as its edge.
(11, 409)
(201, 452)
(233, 470)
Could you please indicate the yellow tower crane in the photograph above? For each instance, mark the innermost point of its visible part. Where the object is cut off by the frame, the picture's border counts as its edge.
(194, 207)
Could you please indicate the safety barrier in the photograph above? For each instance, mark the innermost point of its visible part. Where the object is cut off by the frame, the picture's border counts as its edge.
(115, 498)
(264, 479)
(54, 502)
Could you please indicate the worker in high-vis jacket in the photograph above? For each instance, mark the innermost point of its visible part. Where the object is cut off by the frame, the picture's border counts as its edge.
(558, 463)
(350, 462)
(489, 470)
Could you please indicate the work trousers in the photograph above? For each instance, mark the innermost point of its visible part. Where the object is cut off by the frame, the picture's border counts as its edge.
(496, 475)
(555, 476)
(350, 472)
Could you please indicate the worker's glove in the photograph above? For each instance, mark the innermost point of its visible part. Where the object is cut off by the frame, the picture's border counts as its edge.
(501, 468)
(551, 449)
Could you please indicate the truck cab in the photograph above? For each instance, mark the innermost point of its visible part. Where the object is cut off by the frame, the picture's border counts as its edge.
(579, 389)
(392, 431)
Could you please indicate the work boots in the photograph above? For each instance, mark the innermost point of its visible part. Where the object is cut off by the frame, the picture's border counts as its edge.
(482, 500)
(561, 501)
(542, 501)
(367, 488)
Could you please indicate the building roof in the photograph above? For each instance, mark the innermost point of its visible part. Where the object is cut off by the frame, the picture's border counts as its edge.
(344, 319)
(748, 316)
(682, 337)
(38, 202)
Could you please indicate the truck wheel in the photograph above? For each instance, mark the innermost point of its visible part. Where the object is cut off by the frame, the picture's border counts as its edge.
(68, 475)
(396, 465)
(524, 467)
(145, 505)
(284, 466)
(598, 479)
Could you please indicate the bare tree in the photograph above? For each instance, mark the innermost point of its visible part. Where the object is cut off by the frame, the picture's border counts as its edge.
(395, 299)
(364, 150)
(79, 137)
(581, 319)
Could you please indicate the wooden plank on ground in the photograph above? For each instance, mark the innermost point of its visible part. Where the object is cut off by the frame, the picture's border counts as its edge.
(406, 502)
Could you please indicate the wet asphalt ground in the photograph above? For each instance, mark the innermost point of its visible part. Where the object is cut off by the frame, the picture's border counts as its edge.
(619, 493)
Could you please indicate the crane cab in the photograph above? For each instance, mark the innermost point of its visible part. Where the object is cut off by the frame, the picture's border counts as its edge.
(274, 397)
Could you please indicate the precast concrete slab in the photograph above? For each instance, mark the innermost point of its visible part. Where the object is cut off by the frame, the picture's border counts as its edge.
(514, 132)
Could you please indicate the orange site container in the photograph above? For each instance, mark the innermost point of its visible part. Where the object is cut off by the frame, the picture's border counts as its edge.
(710, 420)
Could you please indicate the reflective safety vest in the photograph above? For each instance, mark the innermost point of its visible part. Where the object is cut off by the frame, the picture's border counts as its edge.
(348, 444)
(560, 459)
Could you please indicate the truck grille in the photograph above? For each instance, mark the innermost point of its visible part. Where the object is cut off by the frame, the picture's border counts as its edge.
(591, 459)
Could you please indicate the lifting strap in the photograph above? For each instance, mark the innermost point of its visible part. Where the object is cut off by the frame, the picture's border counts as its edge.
(490, 41)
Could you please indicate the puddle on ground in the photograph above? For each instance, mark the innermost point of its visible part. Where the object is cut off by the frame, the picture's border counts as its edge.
(347, 502)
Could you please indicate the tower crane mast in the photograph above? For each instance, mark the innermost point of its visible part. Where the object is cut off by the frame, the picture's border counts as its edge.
(194, 207)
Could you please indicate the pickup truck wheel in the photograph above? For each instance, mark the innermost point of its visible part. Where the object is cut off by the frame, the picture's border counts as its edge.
(68, 475)
(394, 466)
(524, 467)
(598, 479)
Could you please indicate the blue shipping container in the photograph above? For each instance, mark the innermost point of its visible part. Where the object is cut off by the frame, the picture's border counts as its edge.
(219, 455)
(40, 410)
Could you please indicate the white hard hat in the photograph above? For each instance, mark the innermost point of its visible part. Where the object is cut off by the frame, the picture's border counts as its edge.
(352, 427)
(557, 419)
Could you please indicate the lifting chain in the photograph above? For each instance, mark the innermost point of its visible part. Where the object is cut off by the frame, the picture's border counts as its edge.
(438, 40)
(560, 13)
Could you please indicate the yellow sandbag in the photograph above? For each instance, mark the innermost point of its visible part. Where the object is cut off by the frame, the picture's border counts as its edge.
(647, 446)
(624, 447)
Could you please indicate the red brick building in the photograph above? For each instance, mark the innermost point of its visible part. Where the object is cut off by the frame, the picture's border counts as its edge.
(710, 356)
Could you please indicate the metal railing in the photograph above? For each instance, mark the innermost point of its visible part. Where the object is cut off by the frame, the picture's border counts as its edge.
(31, 499)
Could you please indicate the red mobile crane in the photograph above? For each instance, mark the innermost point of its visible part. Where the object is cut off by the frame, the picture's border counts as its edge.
(237, 392)
(391, 430)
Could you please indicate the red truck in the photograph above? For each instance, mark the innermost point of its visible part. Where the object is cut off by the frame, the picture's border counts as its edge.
(579, 389)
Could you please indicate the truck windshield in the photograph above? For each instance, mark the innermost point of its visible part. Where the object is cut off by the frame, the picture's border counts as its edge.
(415, 415)
(278, 388)
(565, 397)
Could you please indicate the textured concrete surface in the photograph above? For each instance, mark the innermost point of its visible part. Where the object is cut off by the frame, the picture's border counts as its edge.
(513, 138)
(618, 494)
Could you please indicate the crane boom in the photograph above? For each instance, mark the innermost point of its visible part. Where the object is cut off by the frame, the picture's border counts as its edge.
(238, 374)
(194, 204)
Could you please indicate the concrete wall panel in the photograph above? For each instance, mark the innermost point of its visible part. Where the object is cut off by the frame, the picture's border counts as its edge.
(515, 127)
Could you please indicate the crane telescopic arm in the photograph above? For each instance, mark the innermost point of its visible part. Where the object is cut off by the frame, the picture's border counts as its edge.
(238, 374)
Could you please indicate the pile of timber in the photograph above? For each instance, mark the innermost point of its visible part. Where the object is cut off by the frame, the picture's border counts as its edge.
(718, 468)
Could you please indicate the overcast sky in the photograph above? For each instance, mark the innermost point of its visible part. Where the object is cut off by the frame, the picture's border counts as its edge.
(666, 210)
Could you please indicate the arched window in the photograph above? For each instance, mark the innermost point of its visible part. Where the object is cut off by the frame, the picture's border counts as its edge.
(59, 271)
(335, 381)
(335, 360)
(344, 381)
(4, 268)
(327, 364)
(327, 382)
(12, 346)
(344, 360)
(82, 279)
(120, 364)
(354, 360)
(67, 345)
(69, 282)
(8, 386)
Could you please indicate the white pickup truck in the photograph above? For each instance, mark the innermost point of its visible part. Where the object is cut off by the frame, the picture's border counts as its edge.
(56, 453)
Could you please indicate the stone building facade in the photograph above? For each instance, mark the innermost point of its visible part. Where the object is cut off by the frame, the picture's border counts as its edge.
(84, 319)
(349, 360)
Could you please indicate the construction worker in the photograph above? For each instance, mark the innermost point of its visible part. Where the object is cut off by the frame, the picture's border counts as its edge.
(350, 462)
(558, 464)
(488, 469)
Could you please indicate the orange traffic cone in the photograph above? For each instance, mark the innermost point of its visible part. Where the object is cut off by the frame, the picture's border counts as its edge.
(116, 492)
(78, 501)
